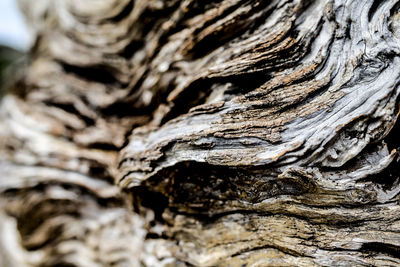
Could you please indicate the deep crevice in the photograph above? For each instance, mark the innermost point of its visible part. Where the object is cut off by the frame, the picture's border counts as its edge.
(374, 7)
(96, 73)
(143, 197)
(217, 39)
(131, 48)
(124, 13)
(387, 178)
(70, 108)
(379, 247)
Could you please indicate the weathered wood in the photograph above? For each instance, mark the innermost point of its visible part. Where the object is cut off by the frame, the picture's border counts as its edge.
(206, 133)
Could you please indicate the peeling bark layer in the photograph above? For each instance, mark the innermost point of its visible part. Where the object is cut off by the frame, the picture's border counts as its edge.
(205, 133)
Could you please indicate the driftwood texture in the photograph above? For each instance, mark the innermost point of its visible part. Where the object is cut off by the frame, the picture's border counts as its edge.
(205, 133)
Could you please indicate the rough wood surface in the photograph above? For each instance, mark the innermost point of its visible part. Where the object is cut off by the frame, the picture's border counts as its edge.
(205, 133)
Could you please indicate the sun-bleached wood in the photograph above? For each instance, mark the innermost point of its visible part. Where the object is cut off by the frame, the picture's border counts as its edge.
(205, 133)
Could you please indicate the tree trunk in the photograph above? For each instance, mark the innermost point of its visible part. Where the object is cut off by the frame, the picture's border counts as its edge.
(205, 133)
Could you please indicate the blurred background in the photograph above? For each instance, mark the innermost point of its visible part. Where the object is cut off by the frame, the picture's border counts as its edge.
(15, 40)
(13, 31)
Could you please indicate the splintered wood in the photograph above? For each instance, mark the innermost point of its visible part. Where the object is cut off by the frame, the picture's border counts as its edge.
(204, 133)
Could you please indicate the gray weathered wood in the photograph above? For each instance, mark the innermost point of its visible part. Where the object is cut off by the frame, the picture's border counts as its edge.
(205, 133)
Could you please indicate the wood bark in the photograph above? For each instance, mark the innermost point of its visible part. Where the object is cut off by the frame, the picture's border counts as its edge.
(204, 133)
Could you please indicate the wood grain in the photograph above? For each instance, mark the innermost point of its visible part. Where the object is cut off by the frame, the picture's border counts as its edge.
(204, 133)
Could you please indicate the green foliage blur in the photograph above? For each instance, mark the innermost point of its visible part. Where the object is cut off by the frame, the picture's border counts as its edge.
(10, 58)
